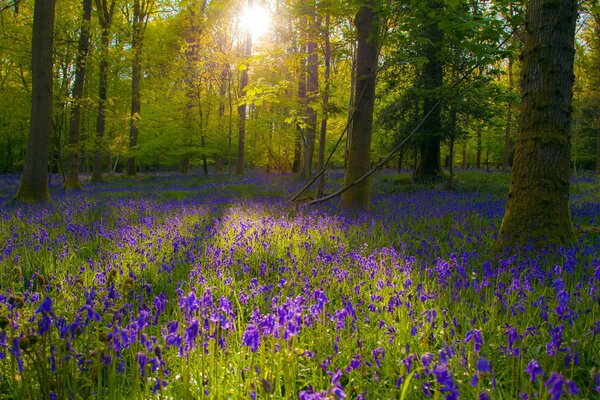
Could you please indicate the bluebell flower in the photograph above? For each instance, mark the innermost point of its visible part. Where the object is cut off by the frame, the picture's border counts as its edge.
(251, 338)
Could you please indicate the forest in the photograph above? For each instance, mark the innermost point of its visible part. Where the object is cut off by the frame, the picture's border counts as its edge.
(313, 199)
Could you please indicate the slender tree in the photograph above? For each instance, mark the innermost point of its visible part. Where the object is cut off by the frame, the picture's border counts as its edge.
(137, 25)
(106, 9)
(242, 108)
(429, 166)
(538, 199)
(359, 149)
(34, 179)
(325, 117)
(72, 181)
(312, 89)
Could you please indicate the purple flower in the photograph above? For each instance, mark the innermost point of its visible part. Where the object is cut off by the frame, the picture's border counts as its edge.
(534, 369)
(554, 384)
(251, 338)
(190, 334)
(45, 307)
(378, 354)
(44, 324)
(476, 337)
(483, 365)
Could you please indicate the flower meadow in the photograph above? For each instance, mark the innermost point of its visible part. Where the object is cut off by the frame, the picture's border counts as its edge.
(190, 287)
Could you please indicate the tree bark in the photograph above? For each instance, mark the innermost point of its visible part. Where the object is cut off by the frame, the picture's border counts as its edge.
(34, 179)
(508, 125)
(72, 181)
(538, 212)
(429, 166)
(312, 88)
(136, 78)
(359, 154)
(105, 14)
(242, 108)
(325, 117)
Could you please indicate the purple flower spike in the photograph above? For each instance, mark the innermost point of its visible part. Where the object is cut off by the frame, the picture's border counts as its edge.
(483, 365)
(534, 369)
(251, 338)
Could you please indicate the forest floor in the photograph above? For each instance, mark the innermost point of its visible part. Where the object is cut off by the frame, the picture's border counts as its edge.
(215, 287)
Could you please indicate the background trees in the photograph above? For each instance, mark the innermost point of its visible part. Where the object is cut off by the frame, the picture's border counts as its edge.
(202, 91)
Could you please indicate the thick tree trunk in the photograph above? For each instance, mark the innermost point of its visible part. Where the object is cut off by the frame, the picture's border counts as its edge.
(242, 108)
(429, 166)
(479, 148)
(538, 200)
(72, 180)
(34, 179)
(325, 117)
(359, 155)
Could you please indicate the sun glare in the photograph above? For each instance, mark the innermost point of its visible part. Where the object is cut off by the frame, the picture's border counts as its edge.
(256, 20)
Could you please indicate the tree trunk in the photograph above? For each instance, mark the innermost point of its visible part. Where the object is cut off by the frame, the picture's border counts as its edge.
(242, 108)
(359, 154)
(105, 13)
(72, 180)
(34, 179)
(538, 199)
(429, 167)
(300, 129)
(136, 78)
(325, 117)
(479, 148)
(597, 50)
(312, 87)
(508, 126)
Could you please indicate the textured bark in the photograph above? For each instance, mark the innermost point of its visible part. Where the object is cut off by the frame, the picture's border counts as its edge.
(242, 109)
(597, 50)
(34, 179)
(105, 14)
(359, 152)
(72, 180)
(538, 200)
(429, 166)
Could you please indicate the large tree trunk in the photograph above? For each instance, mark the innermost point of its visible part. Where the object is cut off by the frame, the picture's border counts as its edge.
(325, 117)
(72, 181)
(34, 180)
(429, 166)
(105, 13)
(242, 108)
(359, 154)
(538, 199)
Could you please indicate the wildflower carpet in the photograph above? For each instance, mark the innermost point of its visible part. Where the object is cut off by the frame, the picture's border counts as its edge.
(187, 287)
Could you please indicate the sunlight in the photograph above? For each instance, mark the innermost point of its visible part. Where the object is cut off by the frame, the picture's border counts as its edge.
(256, 20)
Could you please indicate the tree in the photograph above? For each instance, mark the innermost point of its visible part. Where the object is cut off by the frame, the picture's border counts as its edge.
(428, 166)
(34, 179)
(359, 151)
(72, 179)
(538, 199)
(242, 107)
(105, 10)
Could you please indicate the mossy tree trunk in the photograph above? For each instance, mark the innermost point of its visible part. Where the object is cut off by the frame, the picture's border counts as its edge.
(359, 149)
(72, 180)
(538, 200)
(34, 179)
